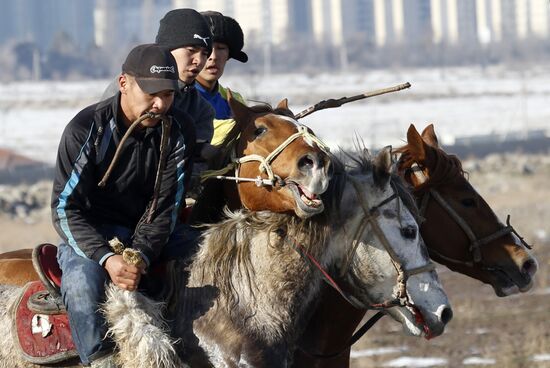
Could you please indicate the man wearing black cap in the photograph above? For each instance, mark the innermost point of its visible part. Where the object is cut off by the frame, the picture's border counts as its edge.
(134, 197)
(228, 41)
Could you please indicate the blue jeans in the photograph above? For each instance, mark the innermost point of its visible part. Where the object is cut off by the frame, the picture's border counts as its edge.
(83, 288)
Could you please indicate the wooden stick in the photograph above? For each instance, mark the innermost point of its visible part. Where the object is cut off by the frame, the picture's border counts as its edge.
(331, 103)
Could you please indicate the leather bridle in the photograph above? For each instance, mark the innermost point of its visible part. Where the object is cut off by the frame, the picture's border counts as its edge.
(370, 217)
(265, 162)
(475, 242)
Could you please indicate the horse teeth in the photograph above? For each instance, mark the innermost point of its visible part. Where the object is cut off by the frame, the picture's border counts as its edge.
(309, 202)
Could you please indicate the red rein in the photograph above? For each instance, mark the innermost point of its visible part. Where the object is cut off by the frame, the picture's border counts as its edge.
(419, 319)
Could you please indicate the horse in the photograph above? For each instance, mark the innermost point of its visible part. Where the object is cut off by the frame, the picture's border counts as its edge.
(262, 304)
(267, 141)
(255, 269)
(280, 165)
(460, 230)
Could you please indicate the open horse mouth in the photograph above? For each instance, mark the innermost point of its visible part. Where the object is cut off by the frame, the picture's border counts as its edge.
(308, 203)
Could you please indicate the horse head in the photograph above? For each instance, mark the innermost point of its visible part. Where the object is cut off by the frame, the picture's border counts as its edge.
(286, 166)
(389, 266)
(461, 230)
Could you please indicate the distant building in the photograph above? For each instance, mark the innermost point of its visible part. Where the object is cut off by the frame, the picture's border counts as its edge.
(454, 21)
(40, 21)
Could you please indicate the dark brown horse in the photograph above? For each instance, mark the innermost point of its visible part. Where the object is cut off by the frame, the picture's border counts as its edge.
(460, 230)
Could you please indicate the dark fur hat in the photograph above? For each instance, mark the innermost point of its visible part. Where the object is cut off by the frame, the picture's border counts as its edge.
(227, 30)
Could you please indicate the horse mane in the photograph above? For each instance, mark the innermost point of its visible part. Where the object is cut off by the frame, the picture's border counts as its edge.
(227, 246)
(362, 163)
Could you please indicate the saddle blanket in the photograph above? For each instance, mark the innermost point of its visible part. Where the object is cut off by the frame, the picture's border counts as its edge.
(42, 338)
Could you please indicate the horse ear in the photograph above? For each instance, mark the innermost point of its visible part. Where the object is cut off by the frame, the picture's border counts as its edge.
(382, 167)
(241, 113)
(415, 143)
(428, 135)
(283, 104)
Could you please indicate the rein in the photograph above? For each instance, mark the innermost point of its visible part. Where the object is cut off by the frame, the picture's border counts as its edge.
(265, 162)
(475, 242)
(166, 127)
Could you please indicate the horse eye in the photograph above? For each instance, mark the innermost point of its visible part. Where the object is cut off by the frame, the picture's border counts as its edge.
(468, 202)
(259, 131)
(408, 232)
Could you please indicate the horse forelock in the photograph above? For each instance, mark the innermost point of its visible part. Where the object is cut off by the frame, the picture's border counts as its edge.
(362, 163)
(443, 167)
(226, 248)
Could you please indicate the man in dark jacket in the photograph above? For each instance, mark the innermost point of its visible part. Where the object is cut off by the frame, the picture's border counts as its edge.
(132, 203)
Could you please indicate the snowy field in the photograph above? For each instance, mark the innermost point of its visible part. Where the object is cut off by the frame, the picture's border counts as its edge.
(460, 101)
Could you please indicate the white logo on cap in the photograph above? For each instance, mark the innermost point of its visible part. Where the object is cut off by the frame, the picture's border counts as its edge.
(161, 69)
(202, 38)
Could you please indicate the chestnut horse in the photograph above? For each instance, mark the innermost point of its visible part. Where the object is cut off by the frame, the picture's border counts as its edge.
(266, 140)
(460, 230)
(282, 167)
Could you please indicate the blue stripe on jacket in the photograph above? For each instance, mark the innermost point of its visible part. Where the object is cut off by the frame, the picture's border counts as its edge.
(71, 184)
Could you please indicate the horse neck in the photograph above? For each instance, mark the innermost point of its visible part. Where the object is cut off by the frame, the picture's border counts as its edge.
(259, 274)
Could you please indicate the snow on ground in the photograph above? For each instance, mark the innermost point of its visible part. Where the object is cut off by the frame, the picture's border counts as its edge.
(541, 358)
(411, 362)
(478, 361)
(356, 354)
(460, 101)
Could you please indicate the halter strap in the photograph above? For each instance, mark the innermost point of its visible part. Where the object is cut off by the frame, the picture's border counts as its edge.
(265, 162)
(370, 215)
(475, 243)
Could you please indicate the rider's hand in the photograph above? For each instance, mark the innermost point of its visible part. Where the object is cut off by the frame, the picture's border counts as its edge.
(122, 274)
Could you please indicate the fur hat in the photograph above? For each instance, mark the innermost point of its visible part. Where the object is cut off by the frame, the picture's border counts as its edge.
(184, 27)
(228, 31)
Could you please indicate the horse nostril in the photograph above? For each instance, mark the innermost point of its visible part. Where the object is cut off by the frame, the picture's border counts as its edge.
(529, 267)
(307, 162)
(446, 315)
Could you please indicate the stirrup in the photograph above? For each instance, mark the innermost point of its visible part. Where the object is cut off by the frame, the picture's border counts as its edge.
(45, 264)
(42, 302)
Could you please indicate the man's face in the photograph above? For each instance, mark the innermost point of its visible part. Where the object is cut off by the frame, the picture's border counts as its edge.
(213, 70)
(134, 102)
(190, 60)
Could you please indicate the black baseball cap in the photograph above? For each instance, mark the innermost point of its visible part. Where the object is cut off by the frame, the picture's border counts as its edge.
(153, 67)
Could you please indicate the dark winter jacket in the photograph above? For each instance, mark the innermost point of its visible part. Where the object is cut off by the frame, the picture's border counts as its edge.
(87, 147)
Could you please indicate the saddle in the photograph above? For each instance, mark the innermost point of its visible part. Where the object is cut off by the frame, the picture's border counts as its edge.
(43, 333)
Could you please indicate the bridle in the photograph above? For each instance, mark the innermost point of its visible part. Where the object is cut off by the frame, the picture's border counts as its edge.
(370, 217)
(265, 162)
(475, 242)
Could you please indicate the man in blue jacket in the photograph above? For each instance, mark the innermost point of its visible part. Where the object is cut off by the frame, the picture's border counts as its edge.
(133, 203)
